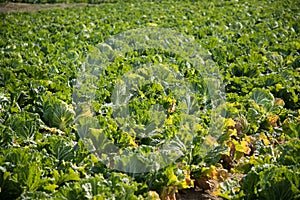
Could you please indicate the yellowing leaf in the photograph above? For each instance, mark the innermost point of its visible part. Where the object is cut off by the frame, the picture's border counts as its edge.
(189, 182)
(249, 138)
(229, 122)
(242, 146)
(94, 159)
(169, 121)
(212, 173)
(264, 58)
(232, 132)
(132, 141)
(272, 120)
(245, 147)
(172, 178)
(152, 24)
(278, 86)
(50, 187)
(264, 138)
(152, 195)
(279, 102)
(142, 94)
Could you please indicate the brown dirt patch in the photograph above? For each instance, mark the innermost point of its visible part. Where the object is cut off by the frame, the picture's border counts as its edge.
(25, 7)
(192, 194)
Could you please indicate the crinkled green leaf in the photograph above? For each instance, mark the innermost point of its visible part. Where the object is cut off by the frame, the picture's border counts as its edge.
(57, 113)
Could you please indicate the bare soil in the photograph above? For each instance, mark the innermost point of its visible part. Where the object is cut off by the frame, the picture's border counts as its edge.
(26, 7)
(192, 194)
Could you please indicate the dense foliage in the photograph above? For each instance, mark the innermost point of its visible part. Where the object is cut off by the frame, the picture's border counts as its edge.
(255, 45)
(60, 1)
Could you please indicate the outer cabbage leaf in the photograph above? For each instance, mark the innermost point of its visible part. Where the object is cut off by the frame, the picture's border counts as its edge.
(272, 182)
(262, 97)
(57, 113)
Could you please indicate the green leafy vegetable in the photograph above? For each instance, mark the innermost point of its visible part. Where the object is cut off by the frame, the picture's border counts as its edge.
(57, 113)
(43, 155)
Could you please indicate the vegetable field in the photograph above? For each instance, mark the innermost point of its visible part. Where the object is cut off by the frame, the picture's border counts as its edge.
(151, 100)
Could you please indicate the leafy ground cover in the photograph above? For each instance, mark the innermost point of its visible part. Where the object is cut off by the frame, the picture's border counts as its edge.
(25, 7)
(255, 46)
(36, 2)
